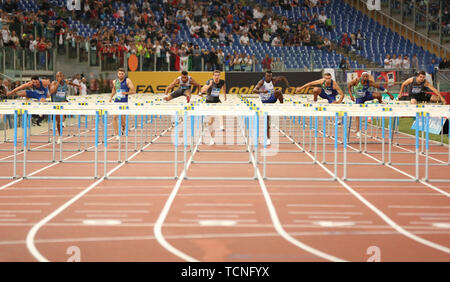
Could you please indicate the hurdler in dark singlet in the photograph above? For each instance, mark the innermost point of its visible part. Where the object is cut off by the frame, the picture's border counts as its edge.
(214, 91)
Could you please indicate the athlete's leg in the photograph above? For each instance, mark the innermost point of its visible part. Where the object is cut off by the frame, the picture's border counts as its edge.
(58, 124)
(279, 96)
(413, 101)
(115, 126)
(168, 98)
(187, 93)
(378, 96)
(316, 92)
(123, 124)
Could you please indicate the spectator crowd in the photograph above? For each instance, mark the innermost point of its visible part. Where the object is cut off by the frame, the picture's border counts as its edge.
(153, 28)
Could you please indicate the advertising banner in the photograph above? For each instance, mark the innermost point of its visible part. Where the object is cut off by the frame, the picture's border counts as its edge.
(156, 82)
(245, 82)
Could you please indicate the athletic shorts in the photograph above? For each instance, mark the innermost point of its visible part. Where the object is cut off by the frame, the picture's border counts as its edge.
(212, 99)
(420, 97)
(121, 100)
(35, 95)
(367, 97)
(331, 98)
(271, 100)
(177, 93)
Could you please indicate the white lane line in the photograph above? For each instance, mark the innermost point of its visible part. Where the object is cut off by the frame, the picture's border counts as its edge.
(106, 215)
(12, 219)
(112, 218)
(119, 204)
(33, 231)
(319, 212)
(423, 214)
(157, 228)
(217, 235)
(218, 205)
(218, 194)
(279, 227)
(435, 218)
(7, 215)
(319, 206)
(383, 216)
(112, 211)
(426, 223)
(329, 216)
(46, 188)
(219, 212)
(418, 207)
(218, 215)
(315, 220)
(25, 204)
(235, 220)
(20, 211)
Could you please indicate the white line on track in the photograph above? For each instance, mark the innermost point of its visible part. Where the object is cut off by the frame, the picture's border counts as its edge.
(320, 206)
(157, 228)
(320, 212)
(382, 215)
(418, 207)
(119, 204)
(218, 205)
(33, 231)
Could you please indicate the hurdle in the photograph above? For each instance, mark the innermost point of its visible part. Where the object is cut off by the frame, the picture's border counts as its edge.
(15, 114)
(240, 123)
(173, 122)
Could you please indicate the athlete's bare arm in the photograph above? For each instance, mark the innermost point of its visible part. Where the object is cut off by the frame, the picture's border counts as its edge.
(131, 87)
(434, 90)
(350, 88)
(113, 91)
(171, 86)
(53, 87)
(258, 85)
(315, 82)
(205, 88)
(406, 83)
(339, 90)
(21, 87)
(279, 78)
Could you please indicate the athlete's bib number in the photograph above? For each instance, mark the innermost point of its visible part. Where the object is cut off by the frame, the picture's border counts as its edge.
(328, 92)
(416, 90)
(361, 93)
(120, 94)
(60, 94)
(215, 92)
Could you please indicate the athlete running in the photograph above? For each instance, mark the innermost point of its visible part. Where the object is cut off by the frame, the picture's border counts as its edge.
(38, 91)
(417, 90)
(268, 94)
(58, 91)
(184, 82)
(123, 86)
(361, 86)
(328, 89)
(213, 87)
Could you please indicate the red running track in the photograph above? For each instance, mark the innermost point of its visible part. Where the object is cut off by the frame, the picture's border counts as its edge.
(248, 220)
